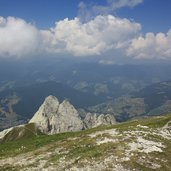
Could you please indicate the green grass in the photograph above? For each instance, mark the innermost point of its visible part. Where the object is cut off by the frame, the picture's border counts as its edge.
(30, 143)
(151, 122)
(80, 146)
(11, 148)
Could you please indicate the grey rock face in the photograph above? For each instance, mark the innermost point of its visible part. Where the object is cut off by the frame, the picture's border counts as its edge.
(53, 117)
(93, 120)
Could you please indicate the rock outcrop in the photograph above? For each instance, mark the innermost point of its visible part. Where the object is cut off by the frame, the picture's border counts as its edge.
(53, 117)
(93, 120)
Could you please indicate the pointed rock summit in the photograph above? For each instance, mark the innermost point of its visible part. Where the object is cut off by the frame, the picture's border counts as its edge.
(53, 117)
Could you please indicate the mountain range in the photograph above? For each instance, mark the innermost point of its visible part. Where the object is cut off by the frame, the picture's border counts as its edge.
(152, 100)
(18, 105)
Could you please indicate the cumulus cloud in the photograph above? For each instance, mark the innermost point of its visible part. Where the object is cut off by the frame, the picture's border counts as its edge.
(92, 38)
(102, 34)
(151, 46)
(18, 38)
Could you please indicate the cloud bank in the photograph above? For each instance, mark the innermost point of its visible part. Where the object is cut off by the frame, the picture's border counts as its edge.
(18, 38)
(92, 38)
(104, 33)
(151, 46)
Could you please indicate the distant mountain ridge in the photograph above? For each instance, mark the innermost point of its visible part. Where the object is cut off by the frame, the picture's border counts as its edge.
(16, 107)
(152, 100)
(155, 95)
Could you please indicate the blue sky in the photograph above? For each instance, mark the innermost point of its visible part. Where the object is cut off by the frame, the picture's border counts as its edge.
(143, 35)
(153, 14)
(43, 12)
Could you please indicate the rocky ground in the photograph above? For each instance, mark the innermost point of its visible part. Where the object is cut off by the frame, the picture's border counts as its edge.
(136, 145)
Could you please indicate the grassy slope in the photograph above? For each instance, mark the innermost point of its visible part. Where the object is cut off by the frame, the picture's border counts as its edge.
(22, 132)
(80, 147)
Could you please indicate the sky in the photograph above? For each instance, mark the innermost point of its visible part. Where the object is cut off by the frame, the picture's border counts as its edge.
(130, 29)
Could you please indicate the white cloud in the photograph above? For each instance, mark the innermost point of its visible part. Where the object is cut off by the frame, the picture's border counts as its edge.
(18, 38)
(88, 11)
(151, 46)
(123, 3)
(112, 5)
(103, 33)
(92, 38)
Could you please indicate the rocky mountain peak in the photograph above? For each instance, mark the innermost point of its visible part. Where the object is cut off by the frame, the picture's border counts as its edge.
(66, 107)
(49, 106)
(54, 117)
(46, 111)
(50, 99)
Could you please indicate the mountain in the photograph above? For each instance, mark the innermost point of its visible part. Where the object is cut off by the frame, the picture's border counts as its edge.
(151, 100)
(18, 105)
(54, 117)
(136, 145)
(109, 80)
(25, 84)
(156, 96)
(123, 108)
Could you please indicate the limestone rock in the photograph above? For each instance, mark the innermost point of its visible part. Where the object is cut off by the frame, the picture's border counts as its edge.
(53, 117)
(93, 120)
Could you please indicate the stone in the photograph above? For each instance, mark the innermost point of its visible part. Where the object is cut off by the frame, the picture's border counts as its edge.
(93, 120)
(54, 117)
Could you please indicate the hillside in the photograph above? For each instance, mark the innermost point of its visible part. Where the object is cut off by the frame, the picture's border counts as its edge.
(152, 100)
(140, 145)
(156, 96)
(19, 104)
(84, 76)
(21, 131)
(54, 117)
